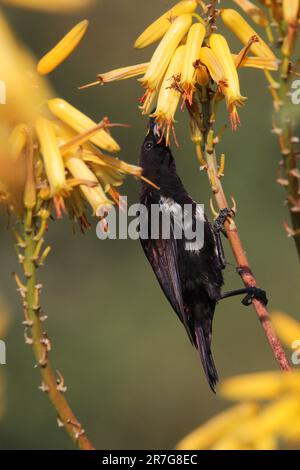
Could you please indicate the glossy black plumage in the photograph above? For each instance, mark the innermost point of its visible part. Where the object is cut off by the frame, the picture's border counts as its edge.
(191, 280)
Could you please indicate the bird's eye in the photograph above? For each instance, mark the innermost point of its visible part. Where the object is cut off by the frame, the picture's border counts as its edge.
(148, 145)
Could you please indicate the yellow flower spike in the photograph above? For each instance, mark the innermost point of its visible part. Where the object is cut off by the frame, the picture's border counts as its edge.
(287, 328)
(169, 96)
(17, 140)
(194, 42)
(206, 435)
(52, 158)
(263, 63)
(156, 30)
(163, 54)
(231, 91)
(291, 11)
(63, 49)
(94, 195)
(243, 31)
(122, 73)
(255, 13)
(81, 123)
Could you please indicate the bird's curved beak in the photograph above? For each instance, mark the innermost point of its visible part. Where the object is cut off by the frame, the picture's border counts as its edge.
(154, 128)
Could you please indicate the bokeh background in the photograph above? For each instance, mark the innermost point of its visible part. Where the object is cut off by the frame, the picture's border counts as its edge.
(133, 379)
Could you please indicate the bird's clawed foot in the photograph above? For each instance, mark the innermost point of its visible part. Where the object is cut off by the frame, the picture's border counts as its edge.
(255, 293)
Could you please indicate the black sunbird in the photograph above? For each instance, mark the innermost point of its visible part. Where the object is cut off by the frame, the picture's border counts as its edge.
(190, 275)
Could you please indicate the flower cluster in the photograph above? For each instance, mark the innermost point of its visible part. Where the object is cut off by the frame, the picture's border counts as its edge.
(191, 55)
(268, 415)
(50, 151)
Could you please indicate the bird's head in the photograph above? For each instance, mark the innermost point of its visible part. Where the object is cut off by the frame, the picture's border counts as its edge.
(155, 156)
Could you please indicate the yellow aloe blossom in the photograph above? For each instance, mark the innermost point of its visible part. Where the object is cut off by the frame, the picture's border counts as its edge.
(62, 49)
(118, 74)
(214, 66)
(255, 13)
(243, 31)
(232, 92)
(194, 42)
(55, 6)
(287, 328)
(263, 63)
(169, 95)
(163, 54)
(208, 434)
(156, 30)
(53, 161)
(81, 123)
(291, 11)
(18, 140)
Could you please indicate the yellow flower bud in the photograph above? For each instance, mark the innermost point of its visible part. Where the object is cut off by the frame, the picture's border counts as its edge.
(118, 74)
(156, 30)
(164, 52)
(94, 195)
(291, 11)
(18, 140)
(242, 30)
(169, 96)
(231, 91)
(81, 123)
(63, 49)
(53, 161)
(194, 42)
(263, 63)
(210, 60)
(255, 13)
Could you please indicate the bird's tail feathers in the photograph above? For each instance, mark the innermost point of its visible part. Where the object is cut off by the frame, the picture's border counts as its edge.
(206, 358)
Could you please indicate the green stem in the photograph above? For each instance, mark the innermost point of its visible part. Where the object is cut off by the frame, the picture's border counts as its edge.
(52, 383)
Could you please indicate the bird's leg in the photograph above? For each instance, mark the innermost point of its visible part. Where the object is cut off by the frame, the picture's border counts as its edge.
(251, 293)
(218, 228)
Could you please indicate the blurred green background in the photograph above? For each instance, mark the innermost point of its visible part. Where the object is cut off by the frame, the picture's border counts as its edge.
(133, 379)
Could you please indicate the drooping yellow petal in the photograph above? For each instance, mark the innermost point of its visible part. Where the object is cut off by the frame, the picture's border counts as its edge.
(81, 123)
(210, 432)
(52, 158)
(156, 30)
(291, 11)
(286, 327)
(63, 48)
(169, 96)
(232, 92)
(255, 13)
(243, 31)
(164, 52)
(194, 42)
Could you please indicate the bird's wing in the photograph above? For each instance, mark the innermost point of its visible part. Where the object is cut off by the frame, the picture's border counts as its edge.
(163, 257)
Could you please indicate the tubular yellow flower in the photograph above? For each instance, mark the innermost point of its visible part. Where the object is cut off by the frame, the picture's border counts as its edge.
(164, 52)
(232, 92)
(118, 74)
(94, 195)
(243, 31)
(55, 6)
(263, 63)
(259, 386)
(156, 30)
(52, 158)
(287, 328)
(63, 48)
(169, 96)
(291, 11)
(81, 123)
(194, 42)
(255, 13)
(18, 140)
(210, 60)
(208, 434)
